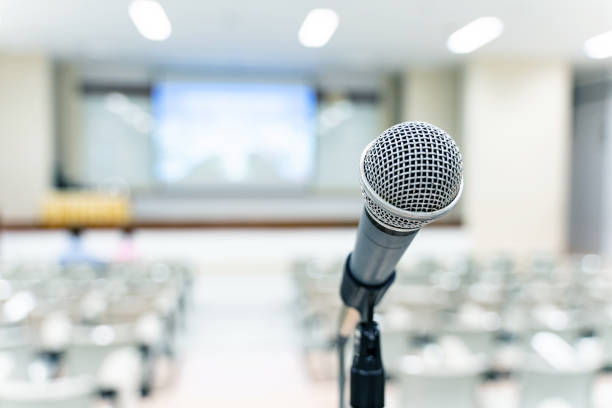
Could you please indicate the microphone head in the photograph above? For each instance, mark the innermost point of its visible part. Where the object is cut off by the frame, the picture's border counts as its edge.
(411, 175)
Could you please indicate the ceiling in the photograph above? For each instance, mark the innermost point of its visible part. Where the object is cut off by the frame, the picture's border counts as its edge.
(385, 34)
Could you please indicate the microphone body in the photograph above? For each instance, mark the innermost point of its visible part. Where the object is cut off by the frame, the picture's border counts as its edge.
(369, 269)
(411, 175)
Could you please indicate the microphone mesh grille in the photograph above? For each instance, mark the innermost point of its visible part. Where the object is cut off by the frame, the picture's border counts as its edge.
(415, 167)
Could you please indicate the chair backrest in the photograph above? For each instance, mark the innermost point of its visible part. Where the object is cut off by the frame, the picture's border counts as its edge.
(457, 390)
(574, 388)
(81, 402)
(394, 345)
(90, 359)
(478, 341)
(71, 392)
(14, 362)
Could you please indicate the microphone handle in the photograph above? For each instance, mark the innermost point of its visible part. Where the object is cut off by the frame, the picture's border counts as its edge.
(377, 250)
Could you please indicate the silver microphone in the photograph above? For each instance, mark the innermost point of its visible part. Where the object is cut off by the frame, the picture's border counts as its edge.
(411, 175)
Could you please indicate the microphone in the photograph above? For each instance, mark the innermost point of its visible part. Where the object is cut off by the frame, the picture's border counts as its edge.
(411, 175)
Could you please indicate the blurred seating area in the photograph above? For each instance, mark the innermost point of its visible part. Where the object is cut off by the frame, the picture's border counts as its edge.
(471, 332)
(77, 334)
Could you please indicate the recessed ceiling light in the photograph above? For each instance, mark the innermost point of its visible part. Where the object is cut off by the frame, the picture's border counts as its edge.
(318, 28)
(150, 19)
(475, 34)
(600, 46)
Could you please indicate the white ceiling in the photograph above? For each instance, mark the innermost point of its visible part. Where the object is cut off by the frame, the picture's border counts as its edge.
(384, 34)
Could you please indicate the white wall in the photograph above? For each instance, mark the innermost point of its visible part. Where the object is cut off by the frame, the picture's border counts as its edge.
(432, 96)
(516, 131)
(26, 129)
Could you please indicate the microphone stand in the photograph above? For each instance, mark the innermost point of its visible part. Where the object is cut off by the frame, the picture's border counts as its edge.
(367, 372)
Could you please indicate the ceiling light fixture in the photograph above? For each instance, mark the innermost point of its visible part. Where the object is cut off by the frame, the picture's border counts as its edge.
(150, 19)
(318, 28)
(475, 34)
(600, 46)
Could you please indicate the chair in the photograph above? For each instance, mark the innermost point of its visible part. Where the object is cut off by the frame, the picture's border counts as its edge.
(557, 371)
(444, 374)
(72, 392)
(572, 387)
(438, 390)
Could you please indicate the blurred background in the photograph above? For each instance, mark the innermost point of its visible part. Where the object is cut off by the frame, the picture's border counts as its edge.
(179, 187)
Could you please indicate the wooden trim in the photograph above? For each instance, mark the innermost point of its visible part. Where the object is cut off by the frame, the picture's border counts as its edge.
(198, 224)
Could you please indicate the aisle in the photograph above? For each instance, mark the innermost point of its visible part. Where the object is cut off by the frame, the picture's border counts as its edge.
(243, 349)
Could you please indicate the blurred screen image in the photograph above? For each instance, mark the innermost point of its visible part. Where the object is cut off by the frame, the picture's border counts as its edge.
(235, 133)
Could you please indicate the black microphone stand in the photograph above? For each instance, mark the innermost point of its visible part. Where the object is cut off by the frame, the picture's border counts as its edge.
(367, 371)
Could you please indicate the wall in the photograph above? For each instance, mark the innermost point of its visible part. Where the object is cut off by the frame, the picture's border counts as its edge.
(432, 96)
(516, 129)
(513, 128)
(26, 135)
